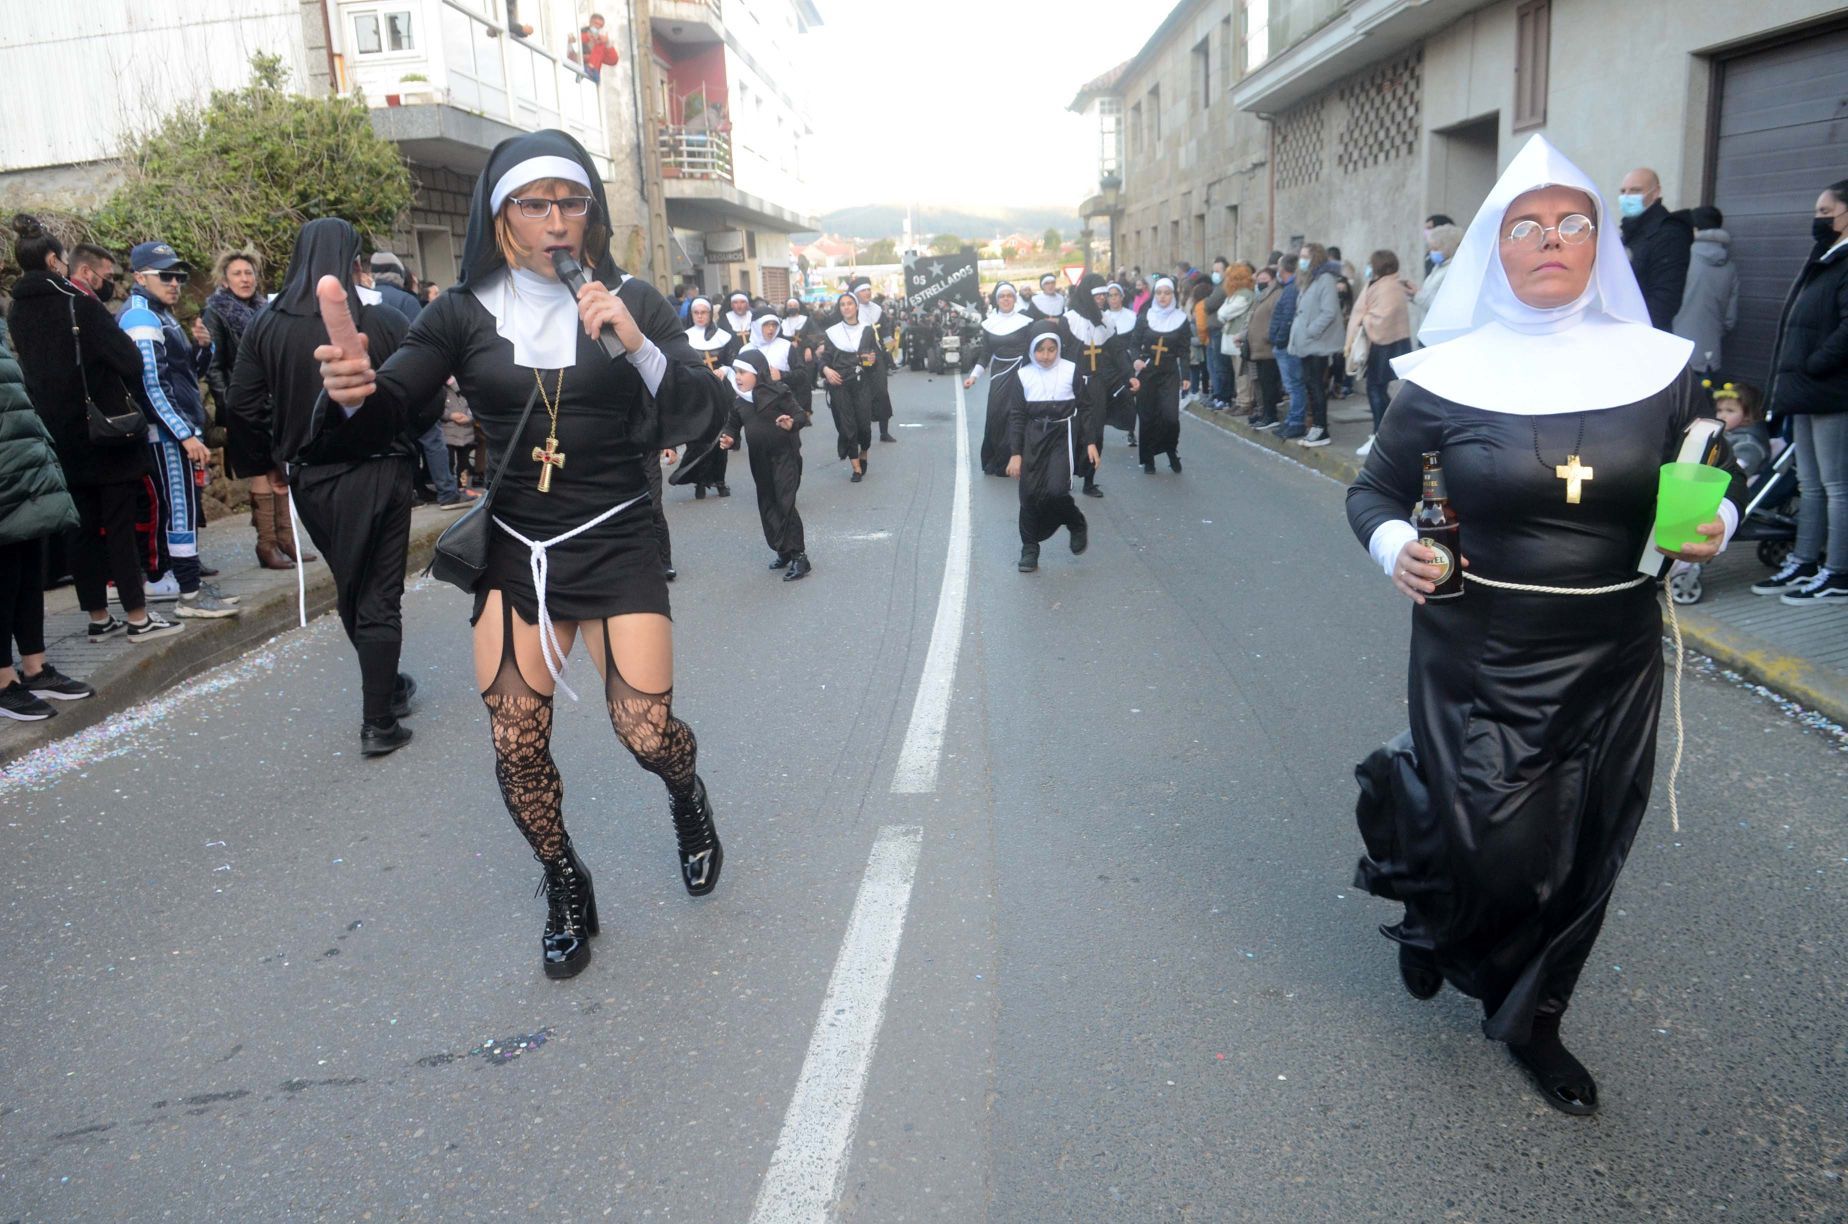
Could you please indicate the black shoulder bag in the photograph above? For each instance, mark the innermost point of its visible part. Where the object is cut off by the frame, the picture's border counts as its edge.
(461, 555)
(127, 426)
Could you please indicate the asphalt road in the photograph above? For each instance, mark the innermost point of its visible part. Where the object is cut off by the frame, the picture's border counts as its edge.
(248, 976)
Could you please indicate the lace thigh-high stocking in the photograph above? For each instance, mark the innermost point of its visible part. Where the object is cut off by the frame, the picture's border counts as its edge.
(521, 721)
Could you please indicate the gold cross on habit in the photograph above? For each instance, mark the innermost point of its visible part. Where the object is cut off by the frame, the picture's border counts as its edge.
(549, 456)
(712, 359)
(1091, 351)
(1575, 474)
(1161, 349)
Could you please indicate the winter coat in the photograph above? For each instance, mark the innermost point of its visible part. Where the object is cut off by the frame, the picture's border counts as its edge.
(1710, 302)
(1751, 448)
(457, 433)
(1232, 316)
(1810, 361)
(1420, 305)
(1317, 329)
(1283, 314)
(1383, 311)
(41, 323)
(33, 499)
(1257, 332)
(1658, 243)
(226, 336)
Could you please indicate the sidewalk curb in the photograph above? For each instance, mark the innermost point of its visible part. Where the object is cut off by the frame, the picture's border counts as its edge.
(1812, 687)
(133, 678)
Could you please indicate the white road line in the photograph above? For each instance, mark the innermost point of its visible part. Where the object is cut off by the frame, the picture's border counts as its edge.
(810, 1160)
(922, 750)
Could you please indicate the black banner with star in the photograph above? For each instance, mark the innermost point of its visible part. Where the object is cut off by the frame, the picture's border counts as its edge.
(940, 278)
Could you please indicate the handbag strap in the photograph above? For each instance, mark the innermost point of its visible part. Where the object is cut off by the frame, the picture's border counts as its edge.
(77, 348)
(499, 469)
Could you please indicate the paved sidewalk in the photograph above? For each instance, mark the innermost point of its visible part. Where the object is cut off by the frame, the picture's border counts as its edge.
(125, 675)
(1801, 653)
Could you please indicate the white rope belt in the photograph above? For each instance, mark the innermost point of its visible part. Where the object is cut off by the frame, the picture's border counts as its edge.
(549, 648)
(1674, 621)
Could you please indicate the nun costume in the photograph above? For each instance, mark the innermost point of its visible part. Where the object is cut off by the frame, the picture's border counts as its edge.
(768, 421)
(737, 316)
(850, 353)
(873, 315)
(1090, 335)
(704, 462)
(1163, 333)
(1048, 303)
(1502, 818)
(999, 350)
(1121, 413)
(1050, 420)
(573, 548)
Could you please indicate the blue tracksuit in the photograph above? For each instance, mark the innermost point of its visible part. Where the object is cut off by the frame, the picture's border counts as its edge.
(170, 372)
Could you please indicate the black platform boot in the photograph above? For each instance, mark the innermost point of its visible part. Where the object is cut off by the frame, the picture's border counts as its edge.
(1029, 558)
(799, 567)
(724, 489)
(701, 856)
(570, 910)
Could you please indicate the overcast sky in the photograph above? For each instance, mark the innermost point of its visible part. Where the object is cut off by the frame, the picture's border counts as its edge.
(962, 102)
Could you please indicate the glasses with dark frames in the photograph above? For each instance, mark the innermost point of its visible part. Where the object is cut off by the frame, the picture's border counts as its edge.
(538, 208)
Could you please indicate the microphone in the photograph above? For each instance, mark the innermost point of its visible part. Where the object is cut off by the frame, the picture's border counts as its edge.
(573, 278)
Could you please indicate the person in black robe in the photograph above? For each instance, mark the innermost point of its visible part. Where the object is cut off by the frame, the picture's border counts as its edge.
(999, 351)
(1051, 418)
(351, 480)
(879, 373)
(1120, 412)
(715, 346)
(1502, 819)
(1048, 303)
(849, 352)
(571, 550)
(1090, 335)
(767, 421)
(799, 329)
(1163, 333)
(737, 317)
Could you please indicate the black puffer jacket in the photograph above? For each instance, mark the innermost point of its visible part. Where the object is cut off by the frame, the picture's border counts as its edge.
(41, 323)
(1810, 366)
(1658, 243)
(33, 500)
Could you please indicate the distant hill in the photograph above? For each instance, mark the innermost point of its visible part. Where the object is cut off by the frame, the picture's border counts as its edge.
(868, 221)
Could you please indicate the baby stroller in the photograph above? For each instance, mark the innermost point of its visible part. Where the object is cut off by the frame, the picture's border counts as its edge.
(1770, 521)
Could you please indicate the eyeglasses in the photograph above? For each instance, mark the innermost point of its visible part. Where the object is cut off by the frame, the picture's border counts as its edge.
(535, 208)
(172, 278)
(1572, 231)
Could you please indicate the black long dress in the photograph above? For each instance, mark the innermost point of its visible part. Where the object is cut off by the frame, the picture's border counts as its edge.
(1158, 404)
(1101, 366)
(1049, 431)
(1503, 818)
(879, 394)
(1000, 352)
(800, 377)
(704, 462)
(852, 356)
(1120, 412)
(609, 429)
(775, 456)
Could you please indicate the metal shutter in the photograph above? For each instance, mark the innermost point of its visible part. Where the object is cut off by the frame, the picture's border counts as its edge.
(1782, 138)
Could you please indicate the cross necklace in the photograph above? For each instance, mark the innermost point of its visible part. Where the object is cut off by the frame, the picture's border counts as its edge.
(549, 456)
(1572, 471)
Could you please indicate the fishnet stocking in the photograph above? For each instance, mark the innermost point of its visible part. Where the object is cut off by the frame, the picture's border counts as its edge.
(645, 723)
(521, 722)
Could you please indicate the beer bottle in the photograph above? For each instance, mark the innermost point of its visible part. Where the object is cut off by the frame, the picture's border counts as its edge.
(1439, 530)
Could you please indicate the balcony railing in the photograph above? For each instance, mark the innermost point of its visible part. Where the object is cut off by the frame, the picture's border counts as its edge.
(694, 153)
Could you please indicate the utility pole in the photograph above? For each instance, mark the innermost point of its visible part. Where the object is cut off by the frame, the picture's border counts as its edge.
(647, 142)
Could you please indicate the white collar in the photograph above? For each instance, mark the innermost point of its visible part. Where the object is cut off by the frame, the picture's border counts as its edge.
(696, 336)
(1005, 324)
(1166, 320)
(1042, 385)
(1050, 303)
(739, 321)
(847, 335)
(1122, 318)
(534, 313)
(367, 295)
(1595, 362)
(871, 312)
(1083, 329)
(776, 352)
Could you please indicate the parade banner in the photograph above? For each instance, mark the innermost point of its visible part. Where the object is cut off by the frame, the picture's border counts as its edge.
(938, 278)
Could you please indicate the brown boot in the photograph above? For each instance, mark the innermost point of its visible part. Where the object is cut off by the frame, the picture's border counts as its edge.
(263, 518)
(285, 532)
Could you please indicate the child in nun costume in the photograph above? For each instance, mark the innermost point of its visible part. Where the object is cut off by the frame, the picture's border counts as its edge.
(999, 350)
(1502, 818)
(573, 549)
(1050, 422)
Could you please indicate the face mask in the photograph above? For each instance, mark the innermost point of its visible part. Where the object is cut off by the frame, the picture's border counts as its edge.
(1822, 229)
(105, 291)
(1217, 277)
(1366, 273)
(1630, 204)
(1437, 257)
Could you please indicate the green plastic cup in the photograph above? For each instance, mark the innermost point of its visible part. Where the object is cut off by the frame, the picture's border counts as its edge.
(1689, 494)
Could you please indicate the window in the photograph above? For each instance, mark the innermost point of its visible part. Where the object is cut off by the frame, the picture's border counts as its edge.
(1203, 73)
(1533, 36)
(1110, 137)
(1255, 17)
(382, 33)
(1227, 64)
(1135, 129)
(1155, 112)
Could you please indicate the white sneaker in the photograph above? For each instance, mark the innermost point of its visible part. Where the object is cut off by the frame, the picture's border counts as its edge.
(164, 587)
(1365, 448)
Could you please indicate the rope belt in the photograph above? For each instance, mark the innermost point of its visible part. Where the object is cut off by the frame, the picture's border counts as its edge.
(1674, 621)
(549, 648)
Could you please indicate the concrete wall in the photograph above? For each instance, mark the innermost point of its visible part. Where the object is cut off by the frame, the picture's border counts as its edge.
(1209, 161)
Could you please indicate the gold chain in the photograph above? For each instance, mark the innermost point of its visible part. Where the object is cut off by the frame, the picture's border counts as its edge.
(551, 405)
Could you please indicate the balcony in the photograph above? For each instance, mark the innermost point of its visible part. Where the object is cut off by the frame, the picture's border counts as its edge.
(689, 153)
(687, 23)
(1306, 45)
(448, 90)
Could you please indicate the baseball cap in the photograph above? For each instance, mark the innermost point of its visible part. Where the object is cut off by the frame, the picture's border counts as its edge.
(155, 257)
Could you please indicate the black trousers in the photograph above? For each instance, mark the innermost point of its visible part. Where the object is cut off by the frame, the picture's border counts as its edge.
(22, 598)
(880, 407)
(777, 470)
(852, 404)
(1270, 387)
(360, 519)
(1315, 386)
(104, 545)
(1040, 519)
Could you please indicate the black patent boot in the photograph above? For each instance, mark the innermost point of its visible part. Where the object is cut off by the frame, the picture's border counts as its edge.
(701, 856)
(565, 945)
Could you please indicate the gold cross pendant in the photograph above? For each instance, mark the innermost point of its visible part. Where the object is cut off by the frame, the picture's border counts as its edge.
(1575, 474)
(548, 457)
